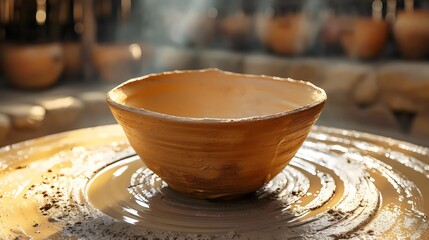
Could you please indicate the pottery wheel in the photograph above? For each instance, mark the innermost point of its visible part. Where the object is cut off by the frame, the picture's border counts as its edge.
(89, 184)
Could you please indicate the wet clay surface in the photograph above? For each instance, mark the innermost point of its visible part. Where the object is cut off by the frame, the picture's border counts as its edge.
(89, 184)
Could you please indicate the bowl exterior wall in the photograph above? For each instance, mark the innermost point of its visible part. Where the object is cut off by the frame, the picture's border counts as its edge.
(206, 159)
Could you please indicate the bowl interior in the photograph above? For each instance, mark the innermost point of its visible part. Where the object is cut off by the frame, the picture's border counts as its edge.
(215, 94)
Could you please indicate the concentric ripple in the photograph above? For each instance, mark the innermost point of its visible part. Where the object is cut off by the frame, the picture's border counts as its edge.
(341, 184)
(316, 194)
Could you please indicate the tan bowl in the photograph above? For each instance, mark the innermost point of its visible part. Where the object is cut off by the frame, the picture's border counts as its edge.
(33, 66)
(214, 134)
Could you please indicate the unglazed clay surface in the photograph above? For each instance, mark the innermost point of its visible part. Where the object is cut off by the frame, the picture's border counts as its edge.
(214, 134)
(214, 94)
(89, 184)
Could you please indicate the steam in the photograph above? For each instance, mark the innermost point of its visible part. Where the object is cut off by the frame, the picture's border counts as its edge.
(181, 23)
(194, 24)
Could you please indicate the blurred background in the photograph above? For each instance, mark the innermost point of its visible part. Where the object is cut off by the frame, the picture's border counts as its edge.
(58, 58)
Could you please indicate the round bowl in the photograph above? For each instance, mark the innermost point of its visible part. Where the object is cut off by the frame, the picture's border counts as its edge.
(33, 66)
(214, 134)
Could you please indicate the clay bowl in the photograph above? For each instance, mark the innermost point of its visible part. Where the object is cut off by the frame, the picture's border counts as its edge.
(213, 134)
(33, 66)
(364, 38)
(411, 33)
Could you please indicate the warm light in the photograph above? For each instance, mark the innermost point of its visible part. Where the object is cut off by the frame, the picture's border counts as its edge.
(120, 171)
(37, 113)
(41, 17)
(135, 51)
(41, 12)
(59, 103)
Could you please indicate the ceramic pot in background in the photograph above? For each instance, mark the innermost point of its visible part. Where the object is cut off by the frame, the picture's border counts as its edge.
(330, 35)
(290, 34)
(117, 62)
(237, 30)
(411, 31)
(331, 30)
(364, 38)
(33, 66)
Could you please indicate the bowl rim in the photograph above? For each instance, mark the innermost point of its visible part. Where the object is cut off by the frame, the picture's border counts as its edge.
(322, 97)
